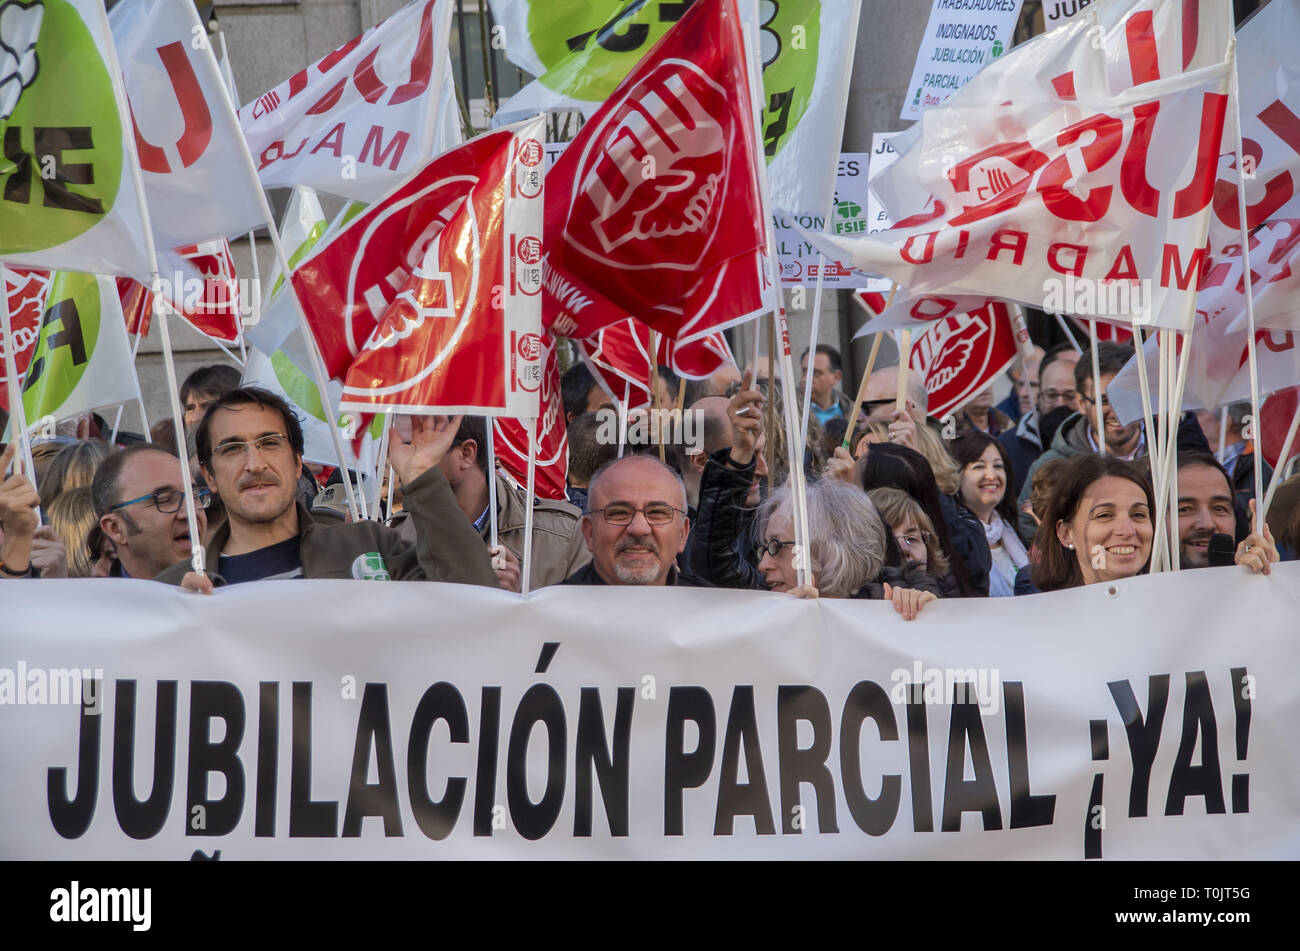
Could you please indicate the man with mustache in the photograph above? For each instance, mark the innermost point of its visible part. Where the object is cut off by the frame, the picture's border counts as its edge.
(636, 525)
(250, 449)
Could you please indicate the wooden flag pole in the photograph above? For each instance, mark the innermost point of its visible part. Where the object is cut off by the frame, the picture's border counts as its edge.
(656, 418)
(904, 358)
(771, 402)
(862, 390)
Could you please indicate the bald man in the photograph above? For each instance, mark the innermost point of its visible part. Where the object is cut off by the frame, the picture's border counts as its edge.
(636, 525)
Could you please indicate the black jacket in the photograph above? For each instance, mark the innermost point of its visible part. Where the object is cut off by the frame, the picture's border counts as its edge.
(968, 540)
(718, 549)
(1023, 445)
(910, 576)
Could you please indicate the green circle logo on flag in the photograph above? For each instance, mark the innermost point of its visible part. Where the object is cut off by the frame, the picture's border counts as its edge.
(63, 115)
(69, 333)
(589, 48)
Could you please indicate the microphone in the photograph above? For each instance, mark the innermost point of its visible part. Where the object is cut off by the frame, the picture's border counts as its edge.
(1222, 550)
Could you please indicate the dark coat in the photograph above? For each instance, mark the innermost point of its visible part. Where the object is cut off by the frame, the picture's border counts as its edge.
(912, 575)
(718, 549)
(968, 540)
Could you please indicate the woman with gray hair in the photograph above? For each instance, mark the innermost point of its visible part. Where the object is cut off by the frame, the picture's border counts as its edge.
(848, 541)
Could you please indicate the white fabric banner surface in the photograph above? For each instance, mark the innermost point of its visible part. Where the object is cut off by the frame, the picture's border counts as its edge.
(1147, 718)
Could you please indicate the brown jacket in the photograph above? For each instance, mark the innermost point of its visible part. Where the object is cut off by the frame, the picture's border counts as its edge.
(558, 546)
(446, 546)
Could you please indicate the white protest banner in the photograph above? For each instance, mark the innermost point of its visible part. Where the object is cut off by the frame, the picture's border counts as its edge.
(961, 38)
(1136, 719)
(799, 259)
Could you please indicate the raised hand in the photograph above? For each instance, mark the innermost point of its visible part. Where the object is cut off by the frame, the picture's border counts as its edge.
(431, 437)
(746, 414)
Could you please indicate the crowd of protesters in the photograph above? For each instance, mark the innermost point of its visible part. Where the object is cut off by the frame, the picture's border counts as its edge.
(996, 501)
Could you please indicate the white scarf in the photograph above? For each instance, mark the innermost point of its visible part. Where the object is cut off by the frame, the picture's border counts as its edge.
(994, 532)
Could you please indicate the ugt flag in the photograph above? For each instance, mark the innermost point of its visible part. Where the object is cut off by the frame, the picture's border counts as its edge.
(67, 195)
(82, 360)
(581, 50)
(510, 435)
(463, 333)
(196, 176)
(426, 272)
(957, 351)
(361, 119)
(653, 211)
(619, 358)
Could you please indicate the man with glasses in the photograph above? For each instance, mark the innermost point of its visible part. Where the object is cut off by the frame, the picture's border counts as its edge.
(139, 496)
(636, 525)
(250, 449)
(1055, 387)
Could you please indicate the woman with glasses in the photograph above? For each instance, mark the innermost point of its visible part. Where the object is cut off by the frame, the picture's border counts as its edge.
(986, 493)
(848, 543)
(912, 530)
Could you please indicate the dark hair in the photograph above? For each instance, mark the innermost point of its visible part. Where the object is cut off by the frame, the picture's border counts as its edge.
(671, 379)
(1051, 356)
(574, 387)
(832, 357)
(891, 466)
(475, 428)
(104, 487)
(586, 452)
(1057, 567)
(1240, 511)
(247, 396)
(967, 448)
(1111, 358)
(214, 380)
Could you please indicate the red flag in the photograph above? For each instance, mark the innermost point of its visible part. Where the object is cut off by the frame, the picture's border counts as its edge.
(511, 435)
(199, 281)
(26, 289)
(654, 209)
(958, 357)
(137, 306)
(349, 283)
(463, 333)
(619, 358)
(1276, 414)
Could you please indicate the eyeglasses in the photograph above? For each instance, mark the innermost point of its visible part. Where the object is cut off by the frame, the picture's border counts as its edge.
(1105, 403)
(1053, 395)
(772, 546)
(620, 513)
(913, 538)
(230, 451)
(168, 501)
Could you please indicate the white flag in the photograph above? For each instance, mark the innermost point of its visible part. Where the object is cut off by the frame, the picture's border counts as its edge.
(360, 120)
(196, 179)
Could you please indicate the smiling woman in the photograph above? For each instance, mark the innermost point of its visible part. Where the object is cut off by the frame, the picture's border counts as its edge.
(986, 491)
(1097, 526)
